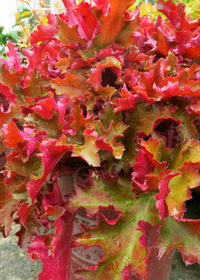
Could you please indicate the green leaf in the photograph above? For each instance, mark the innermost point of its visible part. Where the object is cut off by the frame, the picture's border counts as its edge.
(188, 151)
(183, 235)
(52, 126)
(143, 120)
(121, 240)
(8, 206)
(32, 168)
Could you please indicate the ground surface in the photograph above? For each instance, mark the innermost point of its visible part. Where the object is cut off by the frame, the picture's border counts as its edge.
(14, 262)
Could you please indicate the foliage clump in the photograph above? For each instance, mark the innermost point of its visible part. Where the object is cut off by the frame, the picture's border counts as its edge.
(110, 101)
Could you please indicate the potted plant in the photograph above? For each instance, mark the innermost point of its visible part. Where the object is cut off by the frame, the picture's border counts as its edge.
(100, 127)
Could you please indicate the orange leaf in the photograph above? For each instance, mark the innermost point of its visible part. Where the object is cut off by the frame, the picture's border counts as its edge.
(8, 132)
(112, 23)
(71, 85)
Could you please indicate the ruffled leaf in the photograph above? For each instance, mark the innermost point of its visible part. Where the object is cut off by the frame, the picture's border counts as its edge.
(183, 235)
(188, 179)
(82, 17)
(114, 239)
(45, 107)
(54, 252)
(72, 85)
(107, 138)
(13, 60)
(164, 190)
(8, 206)
(89, 150)
(8, 131)
(116, 23)
(45, 32)
(51, 152)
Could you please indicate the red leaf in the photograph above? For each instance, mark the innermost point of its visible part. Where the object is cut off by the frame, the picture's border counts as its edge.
(82, 16)
(186, 33)
(34, 56)
(54, 198)
(187, 179)
(150, 235)
(23, 212)
(55, 255)
(45, 32)
(101, 144)
(72, 85)
(114, 50)
(8, 131)
(70, 5)
(155, 86)
(126, 102)
(45, 107)
(53, 202)
(110, 214)
(44, 56)
(13, 60)
(175, 13)
(30, 222)
(107, 138)
(33, 142)
(51, 152)
(142, 168)
(114, 239)
(194, 49)
(88, 26)
(7, 94)
(161, 196)
(183, 235)
(103, 5)
(62, 104)
(127, 272)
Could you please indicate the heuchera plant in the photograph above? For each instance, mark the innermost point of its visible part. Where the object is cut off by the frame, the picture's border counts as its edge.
(108, 100)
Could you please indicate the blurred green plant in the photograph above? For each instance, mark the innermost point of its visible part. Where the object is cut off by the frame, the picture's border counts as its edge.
(4, 37)
(192, 8)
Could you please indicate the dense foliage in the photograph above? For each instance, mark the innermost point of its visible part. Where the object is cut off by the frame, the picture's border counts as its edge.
(109, 101)
(192, 9)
